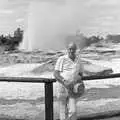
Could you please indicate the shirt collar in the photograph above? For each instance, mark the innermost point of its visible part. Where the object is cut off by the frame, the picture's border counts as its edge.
(76, 58)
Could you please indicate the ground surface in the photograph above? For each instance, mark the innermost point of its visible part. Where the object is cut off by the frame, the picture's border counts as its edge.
(26, 100)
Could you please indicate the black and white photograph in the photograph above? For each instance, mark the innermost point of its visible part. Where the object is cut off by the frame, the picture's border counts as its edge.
(59, 60)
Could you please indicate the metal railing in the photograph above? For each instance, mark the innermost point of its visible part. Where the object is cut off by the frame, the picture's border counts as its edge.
(48, 86)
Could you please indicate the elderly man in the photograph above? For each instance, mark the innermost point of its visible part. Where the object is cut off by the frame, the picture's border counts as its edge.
(68, 71)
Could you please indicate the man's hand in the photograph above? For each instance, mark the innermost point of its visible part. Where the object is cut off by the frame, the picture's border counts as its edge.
(67, 84)
(77, 79)
(69, 87)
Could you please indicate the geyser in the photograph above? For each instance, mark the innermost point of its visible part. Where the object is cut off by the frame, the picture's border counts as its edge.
(49, 23)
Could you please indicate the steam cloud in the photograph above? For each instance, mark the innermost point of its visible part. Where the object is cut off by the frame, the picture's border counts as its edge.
(49, 23)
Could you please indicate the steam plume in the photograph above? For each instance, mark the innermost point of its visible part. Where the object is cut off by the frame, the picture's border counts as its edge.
(49, 23)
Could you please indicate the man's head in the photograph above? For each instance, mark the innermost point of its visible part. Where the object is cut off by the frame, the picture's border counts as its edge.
(71, 49)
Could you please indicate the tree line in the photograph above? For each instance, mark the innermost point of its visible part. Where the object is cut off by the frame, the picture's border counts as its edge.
(10, 42)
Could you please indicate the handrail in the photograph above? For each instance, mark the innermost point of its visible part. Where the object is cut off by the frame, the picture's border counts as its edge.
(48, 91)
(49, 88)
(27, 79)
(95, 77)
(48, 80)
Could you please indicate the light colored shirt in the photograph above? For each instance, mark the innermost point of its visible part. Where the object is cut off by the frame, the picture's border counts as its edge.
(67, 67)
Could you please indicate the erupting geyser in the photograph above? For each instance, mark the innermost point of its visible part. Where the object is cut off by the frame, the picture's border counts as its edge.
(49, 23)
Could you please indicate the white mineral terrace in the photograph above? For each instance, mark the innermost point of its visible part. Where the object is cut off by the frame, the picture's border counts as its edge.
(32, 91)
(100, 95)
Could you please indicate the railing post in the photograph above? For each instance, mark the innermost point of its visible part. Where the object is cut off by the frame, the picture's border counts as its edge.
(49, 101)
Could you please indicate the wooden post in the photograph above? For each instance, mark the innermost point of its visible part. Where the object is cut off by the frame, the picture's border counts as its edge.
(49, 101)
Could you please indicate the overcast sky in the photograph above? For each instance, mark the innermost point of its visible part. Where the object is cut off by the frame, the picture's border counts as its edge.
(98, 16)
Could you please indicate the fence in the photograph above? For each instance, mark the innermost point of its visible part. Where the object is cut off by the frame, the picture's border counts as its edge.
(49, 94)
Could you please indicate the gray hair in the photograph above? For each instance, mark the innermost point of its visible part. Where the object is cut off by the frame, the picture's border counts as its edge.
(73, 44)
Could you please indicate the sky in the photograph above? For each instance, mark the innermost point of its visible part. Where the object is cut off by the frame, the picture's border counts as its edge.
(98, 16)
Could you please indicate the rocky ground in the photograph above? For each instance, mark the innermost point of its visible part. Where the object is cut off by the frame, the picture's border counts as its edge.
(26, 101)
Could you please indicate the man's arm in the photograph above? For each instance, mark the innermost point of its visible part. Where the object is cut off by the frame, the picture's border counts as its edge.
(58, 77)
(78, 73)
(61, 80)
(58, 69)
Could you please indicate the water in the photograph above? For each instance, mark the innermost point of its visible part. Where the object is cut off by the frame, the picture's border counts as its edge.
(32, 91)
(113, 63)
(49, 23)
(101, 95)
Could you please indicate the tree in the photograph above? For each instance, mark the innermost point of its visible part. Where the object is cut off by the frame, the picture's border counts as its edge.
(18, 35)
(11, 43)
(93, 39)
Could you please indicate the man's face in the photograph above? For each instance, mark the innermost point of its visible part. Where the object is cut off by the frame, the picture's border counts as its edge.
(71, 50)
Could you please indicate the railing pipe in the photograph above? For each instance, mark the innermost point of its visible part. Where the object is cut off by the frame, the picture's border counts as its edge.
(47, 80)
(49, 88)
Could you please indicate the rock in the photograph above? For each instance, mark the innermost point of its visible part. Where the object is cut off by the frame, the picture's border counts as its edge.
(89, 69)
(92, 69)
(43, 68)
